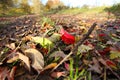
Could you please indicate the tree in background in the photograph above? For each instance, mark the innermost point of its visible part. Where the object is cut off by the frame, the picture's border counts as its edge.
(54, 4)
(85, 6)
(16, 3)
(37, 6)
(25, 6)
(5, 5)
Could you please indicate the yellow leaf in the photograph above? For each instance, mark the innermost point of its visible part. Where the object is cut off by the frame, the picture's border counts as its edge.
(114, 54)
(46, 43)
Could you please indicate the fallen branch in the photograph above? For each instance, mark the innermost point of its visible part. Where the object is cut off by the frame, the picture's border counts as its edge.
(75, 49)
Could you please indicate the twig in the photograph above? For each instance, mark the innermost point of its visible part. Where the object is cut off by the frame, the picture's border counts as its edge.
(18, 46)
(75, 49)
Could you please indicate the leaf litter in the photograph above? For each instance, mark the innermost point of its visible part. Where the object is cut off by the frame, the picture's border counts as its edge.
(33, 48)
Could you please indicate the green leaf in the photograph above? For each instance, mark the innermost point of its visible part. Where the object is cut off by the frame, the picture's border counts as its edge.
(55, 37)
(114, 54)
(46, 43)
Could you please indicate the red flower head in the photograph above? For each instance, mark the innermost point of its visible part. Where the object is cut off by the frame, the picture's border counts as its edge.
(66, 37)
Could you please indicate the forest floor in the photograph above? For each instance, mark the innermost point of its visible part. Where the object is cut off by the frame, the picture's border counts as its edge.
(60, 47)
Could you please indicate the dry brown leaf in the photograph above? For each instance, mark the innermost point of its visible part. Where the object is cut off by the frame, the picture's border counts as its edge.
(57, 74)
(67, 66)
(86, 62)
(5, 73)
(37, 60)
(103, 62)
(58, 54)
(15, 58)
(95, 67)
(12, 73)
(11, 46)
(25, 59)
(12, 57)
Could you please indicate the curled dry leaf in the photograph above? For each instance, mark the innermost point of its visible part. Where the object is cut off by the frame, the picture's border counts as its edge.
(57, 74)
(15, 58)
(12, 57)
(3, 73)
(11, 46)
(95, 67)
(58, 54)
(84, 48)
(12, 73)
(17, 55)
(37, 60)
(101, 60)
(25, 59)
(111, 64)
(67, 66)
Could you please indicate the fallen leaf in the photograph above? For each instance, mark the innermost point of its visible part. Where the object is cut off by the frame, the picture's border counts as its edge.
(46, 43)
(114, 54)
(102, 52)
(101, 35)
(66, 37)
(37, 60)
(25, 59)
(111, 64)
(11, 46)
(95, 67)
(84, 48)
(86, 62)
(15, 58)
(101, 60)
(67, 66)
(55, 37)
(58, 54)
(107, 49)
(5, 73)
(12, 73)
(83, 28)
(57, 74)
